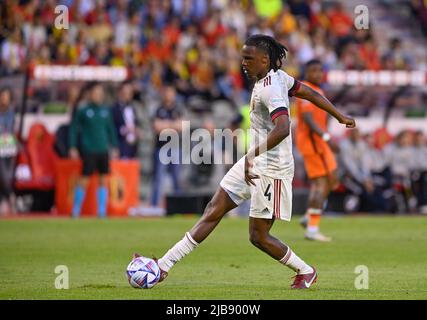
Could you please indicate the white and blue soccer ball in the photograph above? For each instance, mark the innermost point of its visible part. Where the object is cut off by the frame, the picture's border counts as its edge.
(143, 273)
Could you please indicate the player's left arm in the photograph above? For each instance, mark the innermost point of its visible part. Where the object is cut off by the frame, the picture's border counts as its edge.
(306, 93)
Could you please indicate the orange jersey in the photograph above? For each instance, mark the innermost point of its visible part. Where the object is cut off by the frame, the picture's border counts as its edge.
(307, 141)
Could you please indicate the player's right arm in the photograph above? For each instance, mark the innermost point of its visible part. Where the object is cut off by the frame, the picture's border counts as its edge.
(278, 134)
(306, 93)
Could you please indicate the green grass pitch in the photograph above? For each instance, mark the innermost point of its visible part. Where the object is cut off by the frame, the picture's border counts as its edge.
(225, 266)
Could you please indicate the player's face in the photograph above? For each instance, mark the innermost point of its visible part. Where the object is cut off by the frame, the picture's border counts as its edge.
(314, 74)
(254, 62)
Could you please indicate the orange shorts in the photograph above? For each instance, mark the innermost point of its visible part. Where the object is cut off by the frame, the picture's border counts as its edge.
(320, 164)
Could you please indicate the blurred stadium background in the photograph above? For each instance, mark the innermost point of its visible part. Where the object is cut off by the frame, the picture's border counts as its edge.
(189, 51)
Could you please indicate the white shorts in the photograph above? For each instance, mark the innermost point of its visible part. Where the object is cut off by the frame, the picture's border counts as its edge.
(269, 197)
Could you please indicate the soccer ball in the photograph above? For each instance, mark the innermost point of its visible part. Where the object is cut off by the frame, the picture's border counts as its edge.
(143, 273)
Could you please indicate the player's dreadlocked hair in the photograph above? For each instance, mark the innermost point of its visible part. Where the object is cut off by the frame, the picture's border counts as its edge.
(275, 50)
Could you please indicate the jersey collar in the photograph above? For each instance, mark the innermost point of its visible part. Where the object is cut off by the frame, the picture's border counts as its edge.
(269, 73)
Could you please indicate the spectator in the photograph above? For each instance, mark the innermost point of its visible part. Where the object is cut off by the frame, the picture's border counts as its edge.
(379, 168)
(35, 34)
(234, 18)
(102, 30)
(168, 116)
(341, 22)
(396, 56)
(300, 8)
(287, 22)
(213, 28)
(127, 30)
(369, 54)
(126, 122)
(420, 167)
(13, 53)
(96, 128)
(401, 156)
(357, 176)
(301, 42)
(8, 152)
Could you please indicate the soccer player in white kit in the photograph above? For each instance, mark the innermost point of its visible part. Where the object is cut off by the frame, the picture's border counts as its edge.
(265, 173)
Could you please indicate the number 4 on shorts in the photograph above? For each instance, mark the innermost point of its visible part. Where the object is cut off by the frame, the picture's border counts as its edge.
(267, 193)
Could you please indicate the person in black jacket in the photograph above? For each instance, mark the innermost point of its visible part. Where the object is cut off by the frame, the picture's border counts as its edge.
(126, 122)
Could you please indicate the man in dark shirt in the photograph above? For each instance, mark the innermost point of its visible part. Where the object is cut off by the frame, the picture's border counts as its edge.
(95, 126)
(168, 116)
(126, 122)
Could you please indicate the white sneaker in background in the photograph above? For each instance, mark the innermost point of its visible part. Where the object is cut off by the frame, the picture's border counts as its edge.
(317, 236)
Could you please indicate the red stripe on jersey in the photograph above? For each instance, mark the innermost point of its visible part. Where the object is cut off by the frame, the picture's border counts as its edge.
(294, 88)
(278, 114)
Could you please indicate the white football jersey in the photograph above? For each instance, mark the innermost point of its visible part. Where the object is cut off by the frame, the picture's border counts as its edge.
(270, 99)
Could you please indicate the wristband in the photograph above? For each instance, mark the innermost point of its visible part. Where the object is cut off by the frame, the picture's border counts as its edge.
(326, 137)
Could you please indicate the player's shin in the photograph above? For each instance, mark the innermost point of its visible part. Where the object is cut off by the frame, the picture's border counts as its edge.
(177, 252)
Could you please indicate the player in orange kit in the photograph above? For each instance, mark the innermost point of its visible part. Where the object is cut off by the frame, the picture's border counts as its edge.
(316, 147)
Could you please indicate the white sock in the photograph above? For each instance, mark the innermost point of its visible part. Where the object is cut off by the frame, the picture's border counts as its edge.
(295, 263)
(177, 252)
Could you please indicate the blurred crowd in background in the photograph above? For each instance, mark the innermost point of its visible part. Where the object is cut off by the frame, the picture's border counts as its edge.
(195, 44)
(184, 60)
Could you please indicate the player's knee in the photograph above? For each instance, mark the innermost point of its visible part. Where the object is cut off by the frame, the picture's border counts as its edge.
(257, 238)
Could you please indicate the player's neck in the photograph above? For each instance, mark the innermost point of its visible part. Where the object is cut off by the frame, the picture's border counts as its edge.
(262, 75)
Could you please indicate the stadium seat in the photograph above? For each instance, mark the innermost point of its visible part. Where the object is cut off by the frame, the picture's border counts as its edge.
(39, 155)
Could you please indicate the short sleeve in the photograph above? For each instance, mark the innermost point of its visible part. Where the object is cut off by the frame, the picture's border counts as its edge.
(293, 89)
(291, 83)
(272, 97)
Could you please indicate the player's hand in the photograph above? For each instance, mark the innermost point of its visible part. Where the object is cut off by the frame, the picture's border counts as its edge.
(248, 176)
(349, 122)
(74, 153)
